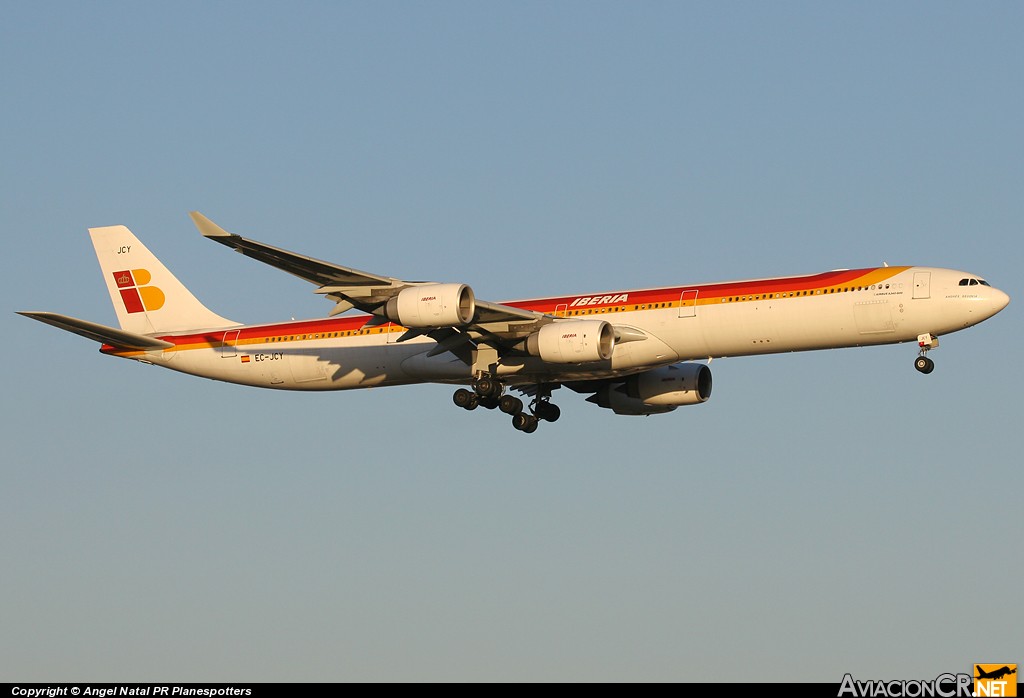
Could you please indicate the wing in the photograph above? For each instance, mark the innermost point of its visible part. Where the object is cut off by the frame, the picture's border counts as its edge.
(492, 323)
(331, 278)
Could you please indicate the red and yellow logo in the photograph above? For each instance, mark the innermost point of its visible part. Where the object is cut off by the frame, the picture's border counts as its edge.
(135, 294)
(995, 680)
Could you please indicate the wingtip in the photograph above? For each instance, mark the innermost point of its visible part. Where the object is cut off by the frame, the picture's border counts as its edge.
(207, 227)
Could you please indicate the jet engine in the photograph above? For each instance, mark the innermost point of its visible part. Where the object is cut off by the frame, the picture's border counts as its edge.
(432, 305)
(572, 342)
(657, 391)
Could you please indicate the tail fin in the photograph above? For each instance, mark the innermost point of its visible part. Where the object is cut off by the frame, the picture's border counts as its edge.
(147, 297)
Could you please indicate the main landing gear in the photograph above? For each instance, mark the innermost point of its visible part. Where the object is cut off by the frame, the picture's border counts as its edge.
(489, 393)
(926, 342)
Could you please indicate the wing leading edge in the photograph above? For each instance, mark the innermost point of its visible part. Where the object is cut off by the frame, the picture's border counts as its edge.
(351, 288)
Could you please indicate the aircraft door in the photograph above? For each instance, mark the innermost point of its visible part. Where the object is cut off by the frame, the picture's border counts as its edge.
(688, 304)
(227, 347)
(922, 284)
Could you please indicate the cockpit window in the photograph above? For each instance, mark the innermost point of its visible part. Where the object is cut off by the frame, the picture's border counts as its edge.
(964, 282)
(983, 282)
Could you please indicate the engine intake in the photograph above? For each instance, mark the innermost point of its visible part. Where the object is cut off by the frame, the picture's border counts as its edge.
(573, 342)
(432, 305)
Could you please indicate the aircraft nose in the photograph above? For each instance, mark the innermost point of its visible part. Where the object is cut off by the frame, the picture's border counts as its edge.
(999, 300)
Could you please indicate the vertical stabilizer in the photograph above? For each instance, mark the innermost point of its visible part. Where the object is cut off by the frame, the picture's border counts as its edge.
(147, 297)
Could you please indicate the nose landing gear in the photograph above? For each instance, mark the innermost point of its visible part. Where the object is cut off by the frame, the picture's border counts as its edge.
(926, 342)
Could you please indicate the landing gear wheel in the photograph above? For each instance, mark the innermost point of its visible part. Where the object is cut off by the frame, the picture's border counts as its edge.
(524, 422)
(463, 398)
(509, 404)
(466, 399)
(924, 364)
(489, 402)
(485, 386)
(548, 412)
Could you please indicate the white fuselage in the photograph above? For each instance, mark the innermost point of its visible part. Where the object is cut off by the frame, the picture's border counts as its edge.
(656, 327)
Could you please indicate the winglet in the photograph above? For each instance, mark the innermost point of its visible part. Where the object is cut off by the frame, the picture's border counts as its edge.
(207, 227)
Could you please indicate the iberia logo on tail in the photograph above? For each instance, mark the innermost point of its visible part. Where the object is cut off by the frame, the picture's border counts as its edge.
(135, 294)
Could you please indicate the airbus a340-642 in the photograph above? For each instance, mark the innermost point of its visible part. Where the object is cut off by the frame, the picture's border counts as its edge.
(636, 352)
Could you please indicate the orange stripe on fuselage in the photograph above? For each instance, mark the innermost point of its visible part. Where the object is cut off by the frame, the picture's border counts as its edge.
(355, 325)
(708, 293)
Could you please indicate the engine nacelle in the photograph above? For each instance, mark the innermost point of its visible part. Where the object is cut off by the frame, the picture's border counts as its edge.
(572, 342)
(612, 397)
(657, 391)
(432, 305)
(679, 384)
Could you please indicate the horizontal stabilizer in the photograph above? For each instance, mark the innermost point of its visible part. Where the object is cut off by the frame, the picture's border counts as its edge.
(99, 333)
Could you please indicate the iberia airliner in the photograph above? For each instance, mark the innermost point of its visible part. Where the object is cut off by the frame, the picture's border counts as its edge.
(637, 352)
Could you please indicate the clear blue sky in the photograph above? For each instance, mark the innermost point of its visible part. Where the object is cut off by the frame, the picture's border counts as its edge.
(823, 513)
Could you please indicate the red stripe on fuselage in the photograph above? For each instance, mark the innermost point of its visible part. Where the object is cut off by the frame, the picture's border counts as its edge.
(310, 329)
(705, 291)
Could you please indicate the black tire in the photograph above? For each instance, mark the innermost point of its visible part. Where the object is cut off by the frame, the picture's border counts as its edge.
(462, 397)
(510, 404)
(520, 420)
(924, 364)
(489, 402)
(487, 387)
(531, 426)
(474, 401)
(548, 412)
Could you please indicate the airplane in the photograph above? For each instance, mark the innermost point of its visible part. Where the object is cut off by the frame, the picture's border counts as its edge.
(997, 674)
(635, 352)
